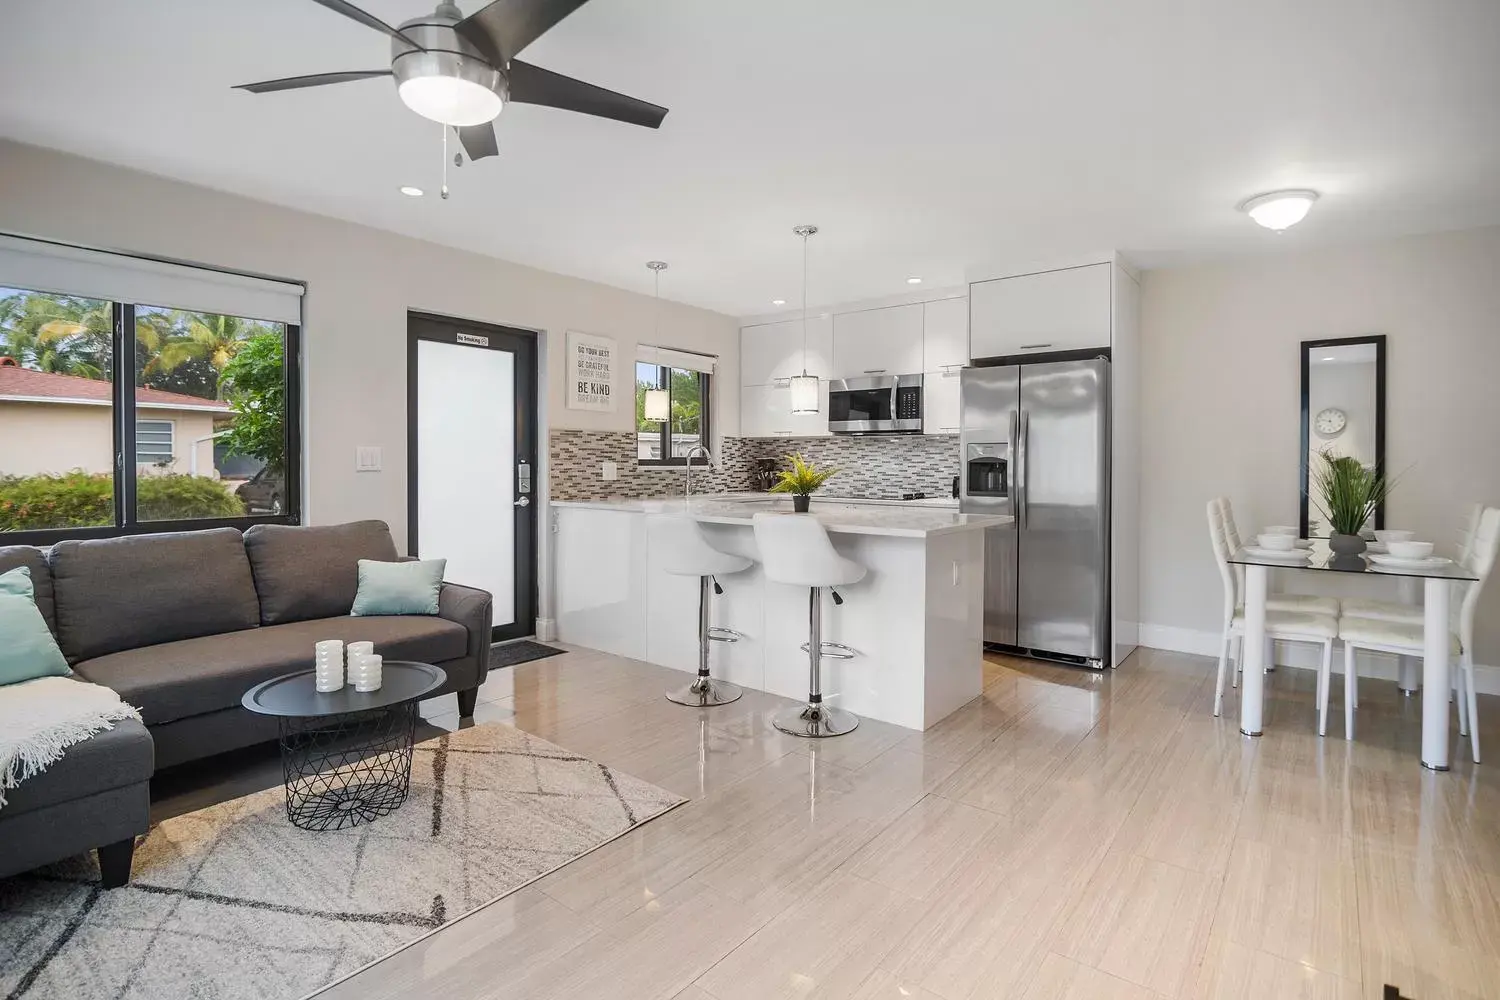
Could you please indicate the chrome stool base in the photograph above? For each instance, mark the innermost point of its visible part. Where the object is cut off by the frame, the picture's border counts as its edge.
(705, 692)
(815, 721)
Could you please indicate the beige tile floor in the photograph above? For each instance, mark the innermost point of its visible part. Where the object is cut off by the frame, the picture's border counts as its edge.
(1067, 836)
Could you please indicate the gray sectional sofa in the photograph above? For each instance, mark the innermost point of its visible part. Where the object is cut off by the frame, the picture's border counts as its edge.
(181, 625)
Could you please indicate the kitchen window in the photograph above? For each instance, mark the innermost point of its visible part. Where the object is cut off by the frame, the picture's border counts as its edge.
(667, 442)
(119, 416)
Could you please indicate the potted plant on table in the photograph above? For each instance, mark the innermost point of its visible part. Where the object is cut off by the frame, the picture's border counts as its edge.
(1348, 495)
(801, 481)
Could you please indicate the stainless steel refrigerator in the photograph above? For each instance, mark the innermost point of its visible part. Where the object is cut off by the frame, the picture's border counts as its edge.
(1035, 445)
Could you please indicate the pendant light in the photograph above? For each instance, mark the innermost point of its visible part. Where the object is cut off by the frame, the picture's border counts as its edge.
(804, 386)
(658, 401)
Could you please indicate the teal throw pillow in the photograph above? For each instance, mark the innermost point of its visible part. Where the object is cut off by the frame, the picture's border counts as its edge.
(399, 588)
(27, 649)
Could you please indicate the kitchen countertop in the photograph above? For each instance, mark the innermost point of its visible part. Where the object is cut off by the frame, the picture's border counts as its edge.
(896, 518)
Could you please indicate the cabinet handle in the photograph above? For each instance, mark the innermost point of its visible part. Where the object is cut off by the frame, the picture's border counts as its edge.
(1032, 347)
(874, 371)
(781, 383)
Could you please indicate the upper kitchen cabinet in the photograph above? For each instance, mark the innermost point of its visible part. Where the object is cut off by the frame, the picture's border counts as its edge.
(878, 342)
(773, 351)
(1048, 311)
(945, 334)
(766, 411)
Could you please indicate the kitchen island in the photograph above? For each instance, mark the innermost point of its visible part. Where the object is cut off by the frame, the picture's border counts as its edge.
(916, 619)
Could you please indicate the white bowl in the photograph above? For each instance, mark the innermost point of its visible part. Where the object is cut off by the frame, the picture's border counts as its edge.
(1409, 550)
(1279, 542)
(1391, 535)
(1282, 529)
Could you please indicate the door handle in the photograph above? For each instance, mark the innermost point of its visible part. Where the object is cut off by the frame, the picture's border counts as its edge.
(1025, 490)
(523, 502)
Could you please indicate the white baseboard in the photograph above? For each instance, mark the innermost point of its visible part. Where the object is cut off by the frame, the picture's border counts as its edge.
(546, 630)
(1300, 656)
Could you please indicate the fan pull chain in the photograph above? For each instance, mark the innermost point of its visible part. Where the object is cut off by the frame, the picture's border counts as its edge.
(444, 190)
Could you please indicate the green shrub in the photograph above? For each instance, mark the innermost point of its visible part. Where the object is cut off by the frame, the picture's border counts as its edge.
(81, 499)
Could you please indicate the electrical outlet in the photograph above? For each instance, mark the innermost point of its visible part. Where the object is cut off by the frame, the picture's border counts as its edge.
(609, 471)
(367, 458)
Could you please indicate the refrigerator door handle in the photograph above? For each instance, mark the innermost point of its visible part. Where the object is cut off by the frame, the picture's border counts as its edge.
(1023, 501)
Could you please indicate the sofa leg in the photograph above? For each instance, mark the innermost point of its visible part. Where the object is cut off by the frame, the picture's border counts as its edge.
(114, 862)
(466, 702)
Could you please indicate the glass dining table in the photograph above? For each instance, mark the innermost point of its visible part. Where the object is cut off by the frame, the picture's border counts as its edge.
(1437, 587)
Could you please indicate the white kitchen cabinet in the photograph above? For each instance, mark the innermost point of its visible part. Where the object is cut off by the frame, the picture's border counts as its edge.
(766, 411)
(1035, 313)
(940, 402)
(878, 342)
(773, 351)
(945, 334)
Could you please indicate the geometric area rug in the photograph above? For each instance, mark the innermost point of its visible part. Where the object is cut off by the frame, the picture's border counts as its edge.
(233, 902)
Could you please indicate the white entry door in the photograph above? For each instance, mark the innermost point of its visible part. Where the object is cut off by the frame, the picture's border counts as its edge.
(473, 444)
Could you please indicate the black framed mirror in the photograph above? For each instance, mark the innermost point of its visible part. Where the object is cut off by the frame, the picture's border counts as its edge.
(1343, 413)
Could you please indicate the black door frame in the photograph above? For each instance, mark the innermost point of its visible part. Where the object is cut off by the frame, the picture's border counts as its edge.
(522, 343)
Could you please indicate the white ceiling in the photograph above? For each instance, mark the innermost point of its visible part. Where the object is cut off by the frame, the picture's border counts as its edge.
(924, 138)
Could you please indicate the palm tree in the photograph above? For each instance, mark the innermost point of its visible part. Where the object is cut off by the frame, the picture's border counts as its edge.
(64, 334)
(177, 338)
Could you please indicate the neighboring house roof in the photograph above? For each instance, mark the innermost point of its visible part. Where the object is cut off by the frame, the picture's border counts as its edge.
(23, 385)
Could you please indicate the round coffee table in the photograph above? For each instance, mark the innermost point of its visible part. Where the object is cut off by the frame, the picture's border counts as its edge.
(345, 755)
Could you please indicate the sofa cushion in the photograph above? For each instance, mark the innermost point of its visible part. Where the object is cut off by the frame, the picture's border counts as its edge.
(122, 593)
(176, 680)
(35, 560)
(113, 758)
(302, 573)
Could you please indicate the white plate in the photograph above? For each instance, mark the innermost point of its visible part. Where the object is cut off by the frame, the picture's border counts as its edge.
(1431, 562)
(1303, 543)
(1294, 555)
(1375, 547)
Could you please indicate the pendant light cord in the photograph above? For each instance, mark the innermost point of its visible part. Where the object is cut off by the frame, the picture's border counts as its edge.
(804, 303)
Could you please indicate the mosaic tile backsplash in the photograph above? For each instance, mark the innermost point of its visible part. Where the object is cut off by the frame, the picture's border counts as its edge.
(869, 467)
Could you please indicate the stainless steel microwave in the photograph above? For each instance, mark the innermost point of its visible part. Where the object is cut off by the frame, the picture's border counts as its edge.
(881, 404)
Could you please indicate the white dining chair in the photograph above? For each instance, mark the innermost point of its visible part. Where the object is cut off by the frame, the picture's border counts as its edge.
(1281, 625)
(1406, 639)
(1406, 612)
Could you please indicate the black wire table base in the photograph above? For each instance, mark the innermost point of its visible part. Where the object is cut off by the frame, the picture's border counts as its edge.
(343, 770)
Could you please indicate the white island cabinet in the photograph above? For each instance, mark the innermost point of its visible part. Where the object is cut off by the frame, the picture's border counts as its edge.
(916, 619)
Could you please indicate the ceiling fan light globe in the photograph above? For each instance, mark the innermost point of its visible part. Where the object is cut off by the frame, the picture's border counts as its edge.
(450, 100)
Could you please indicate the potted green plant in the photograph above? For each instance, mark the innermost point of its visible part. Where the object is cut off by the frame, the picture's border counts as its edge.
(801, 481)
(1348, 495)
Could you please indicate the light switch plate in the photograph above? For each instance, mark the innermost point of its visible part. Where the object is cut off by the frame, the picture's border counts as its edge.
(367, 458)
(609, 471)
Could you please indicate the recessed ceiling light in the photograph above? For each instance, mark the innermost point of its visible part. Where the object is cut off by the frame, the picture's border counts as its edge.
(913, 281)
(1279, 210)
(1330, 359)
(411, 192)
(778, 302)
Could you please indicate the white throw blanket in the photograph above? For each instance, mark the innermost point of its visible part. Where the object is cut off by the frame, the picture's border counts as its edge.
(41, 718)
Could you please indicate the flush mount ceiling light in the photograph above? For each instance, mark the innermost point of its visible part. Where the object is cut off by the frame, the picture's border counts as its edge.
(913, 281)
(658, 404)
(1279, 210)
(804, 386)
(778, 302)
(411, 192)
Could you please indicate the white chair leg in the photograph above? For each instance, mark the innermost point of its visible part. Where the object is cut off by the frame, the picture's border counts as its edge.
(1237, 653)
(1463, 703)
(1325, 677)
(1466, 667)
(1270, 654)
(1348, 691)
(1219, 684)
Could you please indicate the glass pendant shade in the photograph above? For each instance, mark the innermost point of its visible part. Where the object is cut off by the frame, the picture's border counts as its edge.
(804, 393)
(658, 404)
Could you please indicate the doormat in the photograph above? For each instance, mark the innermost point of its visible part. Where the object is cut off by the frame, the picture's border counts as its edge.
(522, 651)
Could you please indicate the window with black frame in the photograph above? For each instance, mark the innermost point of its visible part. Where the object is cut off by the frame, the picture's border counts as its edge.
(126, 417)
(667, 441)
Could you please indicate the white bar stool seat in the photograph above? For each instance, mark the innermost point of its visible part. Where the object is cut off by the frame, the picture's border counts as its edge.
(795, 550)
(684, 551)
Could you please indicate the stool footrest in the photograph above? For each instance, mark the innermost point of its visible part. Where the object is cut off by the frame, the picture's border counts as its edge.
(718, 633)
(833, 650)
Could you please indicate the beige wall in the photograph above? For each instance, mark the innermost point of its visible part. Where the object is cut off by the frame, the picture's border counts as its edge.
(1220, 400)
(60, 437)
(361, 282)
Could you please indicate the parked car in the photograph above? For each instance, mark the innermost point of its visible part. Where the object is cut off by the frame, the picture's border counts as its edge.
(262, 493)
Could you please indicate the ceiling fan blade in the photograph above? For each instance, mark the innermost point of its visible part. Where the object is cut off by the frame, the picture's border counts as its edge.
(367, 19)
(313, 80)
(533, 85)
(505, 27)
(479, 140)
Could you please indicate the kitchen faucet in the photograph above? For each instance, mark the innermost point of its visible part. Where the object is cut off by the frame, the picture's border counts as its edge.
(687, 492)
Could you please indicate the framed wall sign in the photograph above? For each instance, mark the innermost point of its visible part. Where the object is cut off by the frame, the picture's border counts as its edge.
(591, 372)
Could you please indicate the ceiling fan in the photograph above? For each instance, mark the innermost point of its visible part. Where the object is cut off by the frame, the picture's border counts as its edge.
(462, 71)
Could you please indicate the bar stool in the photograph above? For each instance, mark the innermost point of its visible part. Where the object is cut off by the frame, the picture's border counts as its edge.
(685, 552)
(794, 549)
